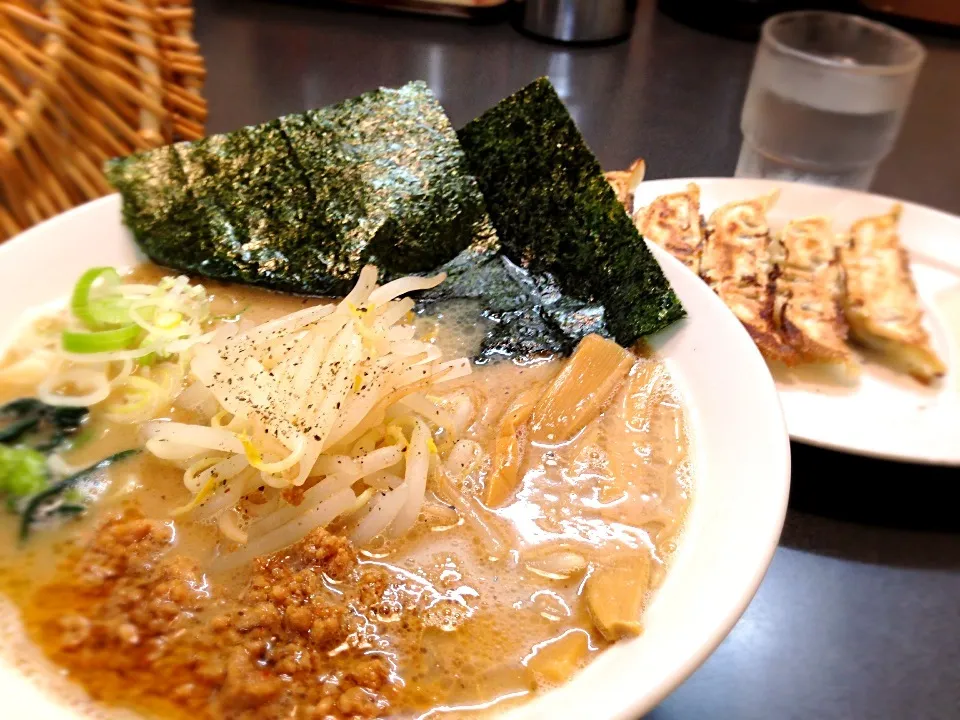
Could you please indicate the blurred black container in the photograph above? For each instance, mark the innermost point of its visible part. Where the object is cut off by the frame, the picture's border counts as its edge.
(480, 10)
(740, 18)
(588, 22)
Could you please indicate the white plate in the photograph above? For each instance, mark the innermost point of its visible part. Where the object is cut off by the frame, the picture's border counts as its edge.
(883, 414)
(741, 454)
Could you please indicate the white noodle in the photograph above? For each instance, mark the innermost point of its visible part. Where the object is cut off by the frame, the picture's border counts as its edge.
(383, 480)
(229, 524)
(224, 469)
(366, 282)
(392, 312)
(320, 515)
(401, 333)
(402, 286)
(95, 382)
(229, 495)
(379, 460)
(415, 478)
(198, 398)
(383, 511)
(198, 436)
(336, 465)
(325, 489)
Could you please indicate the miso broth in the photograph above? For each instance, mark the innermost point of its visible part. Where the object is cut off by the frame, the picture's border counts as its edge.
(475, 609)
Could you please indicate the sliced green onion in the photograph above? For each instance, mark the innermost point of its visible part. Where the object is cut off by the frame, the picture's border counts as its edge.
(168, 319)
(120, 338)
(110, 311)
(99, 312)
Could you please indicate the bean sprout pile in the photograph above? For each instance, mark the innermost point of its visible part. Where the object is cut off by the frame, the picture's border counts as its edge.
(336, 411)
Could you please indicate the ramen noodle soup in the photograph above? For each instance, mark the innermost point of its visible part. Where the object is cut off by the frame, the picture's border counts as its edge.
(330, 511)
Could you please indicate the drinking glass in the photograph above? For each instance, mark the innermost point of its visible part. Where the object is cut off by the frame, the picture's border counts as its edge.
(826, 98)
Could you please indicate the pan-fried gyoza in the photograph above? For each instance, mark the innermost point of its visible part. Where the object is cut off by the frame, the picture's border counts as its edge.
(673, 222)
(737, 263)
(801, 291)
(880, 299)
(623, 182)
(809, 292)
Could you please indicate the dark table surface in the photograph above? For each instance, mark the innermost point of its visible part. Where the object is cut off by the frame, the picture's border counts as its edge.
(859, 614)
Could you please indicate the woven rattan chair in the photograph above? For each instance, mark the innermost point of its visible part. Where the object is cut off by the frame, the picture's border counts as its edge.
(82, 81)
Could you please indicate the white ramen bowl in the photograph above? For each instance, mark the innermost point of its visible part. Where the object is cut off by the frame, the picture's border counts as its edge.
(741, 477)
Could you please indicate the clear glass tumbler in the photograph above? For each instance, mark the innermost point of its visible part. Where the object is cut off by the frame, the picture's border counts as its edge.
(826, 98)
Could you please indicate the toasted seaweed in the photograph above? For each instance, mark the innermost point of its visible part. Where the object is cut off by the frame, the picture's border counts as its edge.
(530, 316)
(252, 197)
(395, 174)
(154, 190)
(556, 215)
(67, 497)
(302, 203)
(28, 422)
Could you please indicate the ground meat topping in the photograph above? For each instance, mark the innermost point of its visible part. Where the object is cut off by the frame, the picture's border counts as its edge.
(139, 625)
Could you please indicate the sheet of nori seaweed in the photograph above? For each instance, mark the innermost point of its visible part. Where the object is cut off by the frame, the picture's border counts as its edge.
(531, 316)
(252, 196)
(157, 204)
(153, 186)
(301, 204)
(389, 166)
(555, 213)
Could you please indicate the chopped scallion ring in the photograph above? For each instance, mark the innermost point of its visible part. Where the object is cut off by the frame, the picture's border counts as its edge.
(120, 338)
(90, 301)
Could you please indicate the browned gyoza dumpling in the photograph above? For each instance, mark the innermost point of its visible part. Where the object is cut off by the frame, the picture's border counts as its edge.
(673, 222)
(624, 182)
(881, 302)
(737, 263)
(809, 292)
